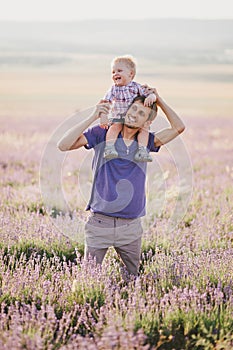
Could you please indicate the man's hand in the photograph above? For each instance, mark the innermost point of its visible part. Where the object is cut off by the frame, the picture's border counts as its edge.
(104, 107)
(104, 121)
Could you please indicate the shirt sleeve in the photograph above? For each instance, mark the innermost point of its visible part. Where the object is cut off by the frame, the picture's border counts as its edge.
(151, 143)
(109, 94)
(94, 136)
(142, 90)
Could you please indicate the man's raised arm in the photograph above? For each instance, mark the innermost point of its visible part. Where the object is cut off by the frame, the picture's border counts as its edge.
(74, 137)
(176, 124)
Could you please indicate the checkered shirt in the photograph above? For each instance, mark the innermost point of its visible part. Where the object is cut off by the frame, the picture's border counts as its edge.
(123, 96)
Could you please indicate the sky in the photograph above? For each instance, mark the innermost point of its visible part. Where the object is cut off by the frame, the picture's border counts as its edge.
(69, 10)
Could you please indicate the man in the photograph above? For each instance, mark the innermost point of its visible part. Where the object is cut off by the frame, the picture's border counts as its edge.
(117, 201)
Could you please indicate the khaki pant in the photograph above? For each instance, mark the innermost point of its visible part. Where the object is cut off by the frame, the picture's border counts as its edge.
(129, 254)
(124, 235)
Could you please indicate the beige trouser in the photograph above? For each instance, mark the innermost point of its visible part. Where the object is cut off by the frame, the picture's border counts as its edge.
(129, 254)
(102, 232)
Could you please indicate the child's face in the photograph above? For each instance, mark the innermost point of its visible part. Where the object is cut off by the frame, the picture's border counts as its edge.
(121, 74)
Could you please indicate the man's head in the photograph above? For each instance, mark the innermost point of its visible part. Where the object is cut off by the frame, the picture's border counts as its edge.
(138, 114)
(123, 70)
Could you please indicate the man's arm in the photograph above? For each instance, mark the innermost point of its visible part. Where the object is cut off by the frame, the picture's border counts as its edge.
(74, 137)
(176, 124)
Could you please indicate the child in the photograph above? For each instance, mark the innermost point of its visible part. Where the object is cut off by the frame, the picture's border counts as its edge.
(122, 94)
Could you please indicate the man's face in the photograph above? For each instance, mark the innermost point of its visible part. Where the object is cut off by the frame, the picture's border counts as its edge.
(137, 115)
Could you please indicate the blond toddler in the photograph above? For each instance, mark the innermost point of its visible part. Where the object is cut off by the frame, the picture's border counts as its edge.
(121, 95)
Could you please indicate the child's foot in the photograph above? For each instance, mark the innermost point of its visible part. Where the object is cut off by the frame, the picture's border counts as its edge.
(110, 152)
(142, 155)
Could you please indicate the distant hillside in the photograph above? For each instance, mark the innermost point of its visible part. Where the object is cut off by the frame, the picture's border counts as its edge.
(168, 40)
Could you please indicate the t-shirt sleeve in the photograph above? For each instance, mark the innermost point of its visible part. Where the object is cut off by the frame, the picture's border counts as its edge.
(142, 90)
(94, 136)
(109, 95)
(151, 144)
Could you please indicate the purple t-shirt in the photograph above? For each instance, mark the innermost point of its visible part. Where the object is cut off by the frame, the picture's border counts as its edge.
(119, 184)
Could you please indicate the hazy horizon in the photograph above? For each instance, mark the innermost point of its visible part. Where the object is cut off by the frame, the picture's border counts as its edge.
(175, 41)
(189, 61)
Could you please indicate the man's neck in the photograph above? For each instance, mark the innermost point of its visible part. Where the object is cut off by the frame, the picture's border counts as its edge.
(128, 133)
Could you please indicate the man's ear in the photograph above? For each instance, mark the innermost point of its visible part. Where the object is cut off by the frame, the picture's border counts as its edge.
(147, 123)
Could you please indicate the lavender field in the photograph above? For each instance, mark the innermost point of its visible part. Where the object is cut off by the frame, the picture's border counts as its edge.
(51, 299)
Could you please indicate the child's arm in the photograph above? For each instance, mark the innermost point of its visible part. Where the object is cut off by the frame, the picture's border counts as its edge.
(150, 95)
(149, 100)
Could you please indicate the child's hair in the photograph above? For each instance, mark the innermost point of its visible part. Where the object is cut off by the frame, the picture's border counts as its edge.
(128, 60)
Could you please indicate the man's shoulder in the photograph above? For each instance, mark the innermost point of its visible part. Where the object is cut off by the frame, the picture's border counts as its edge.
(151, 142)
(94, 135)
(97, 130)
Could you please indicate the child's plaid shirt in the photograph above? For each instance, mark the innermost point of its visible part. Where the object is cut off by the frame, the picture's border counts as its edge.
(123, 96)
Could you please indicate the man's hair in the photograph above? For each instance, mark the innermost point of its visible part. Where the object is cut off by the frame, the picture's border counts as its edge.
(153, 107)
(128, 60)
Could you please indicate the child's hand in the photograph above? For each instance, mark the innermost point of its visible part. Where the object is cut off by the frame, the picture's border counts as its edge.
(150, 100)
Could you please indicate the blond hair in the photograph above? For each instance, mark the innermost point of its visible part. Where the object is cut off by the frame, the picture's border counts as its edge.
(128, 60)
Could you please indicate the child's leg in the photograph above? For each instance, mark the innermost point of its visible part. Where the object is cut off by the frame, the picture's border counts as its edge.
(113, 132)
(110, 151)
(142, 155)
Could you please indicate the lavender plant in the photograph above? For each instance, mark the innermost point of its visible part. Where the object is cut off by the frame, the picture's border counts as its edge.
(50, 298)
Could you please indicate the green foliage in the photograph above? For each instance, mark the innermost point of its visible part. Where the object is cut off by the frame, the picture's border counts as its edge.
(28, 248)
(90, 292)
(150, 325)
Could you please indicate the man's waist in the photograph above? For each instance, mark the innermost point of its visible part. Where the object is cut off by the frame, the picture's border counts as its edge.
(101, 215)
